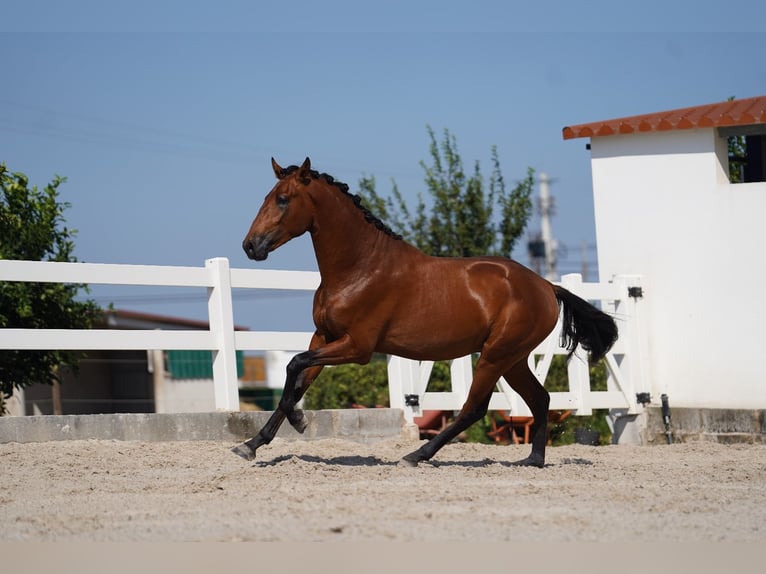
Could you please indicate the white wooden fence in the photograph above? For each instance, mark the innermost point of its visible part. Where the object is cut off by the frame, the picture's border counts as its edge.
(221, 338)
(407, 379)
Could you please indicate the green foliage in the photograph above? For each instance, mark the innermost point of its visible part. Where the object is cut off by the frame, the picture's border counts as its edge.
(440, 380)
(32, 227)
(478, 431)
(737, 158)
(365, 385)
(737, 148)
(465, 217)
(556, 381)
(347, 385)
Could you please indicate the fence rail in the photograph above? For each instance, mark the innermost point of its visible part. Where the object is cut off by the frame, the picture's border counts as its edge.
(407, 379)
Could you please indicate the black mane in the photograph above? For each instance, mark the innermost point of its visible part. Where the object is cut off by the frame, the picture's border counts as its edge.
(357, 199)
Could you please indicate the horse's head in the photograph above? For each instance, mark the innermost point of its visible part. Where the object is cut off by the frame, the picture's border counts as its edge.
(286, 212)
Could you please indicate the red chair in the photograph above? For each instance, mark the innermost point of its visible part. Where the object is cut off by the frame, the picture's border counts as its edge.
(432, 423)
(509, 429)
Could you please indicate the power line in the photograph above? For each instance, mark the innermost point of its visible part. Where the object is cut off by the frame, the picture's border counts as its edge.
(141, 138)
(140, 129)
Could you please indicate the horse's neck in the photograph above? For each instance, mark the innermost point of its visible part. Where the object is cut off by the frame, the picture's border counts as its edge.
(344, 243)
(344, 253)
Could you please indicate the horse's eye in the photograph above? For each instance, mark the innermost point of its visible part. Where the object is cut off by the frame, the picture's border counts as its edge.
(282, 201)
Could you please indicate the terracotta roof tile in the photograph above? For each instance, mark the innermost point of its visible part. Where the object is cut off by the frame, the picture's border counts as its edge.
(747, 111)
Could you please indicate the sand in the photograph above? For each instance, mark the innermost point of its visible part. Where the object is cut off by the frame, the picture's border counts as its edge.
(333, 490)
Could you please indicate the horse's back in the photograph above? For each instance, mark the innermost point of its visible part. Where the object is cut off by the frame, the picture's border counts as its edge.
(496, 280)
(457, 304)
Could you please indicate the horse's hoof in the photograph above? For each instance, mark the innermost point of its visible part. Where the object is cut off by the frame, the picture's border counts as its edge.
(530, 461)
(245, 451)
(298, 421)
(410, 461)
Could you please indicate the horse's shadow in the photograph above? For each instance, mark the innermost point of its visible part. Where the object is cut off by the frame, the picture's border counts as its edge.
(351, 460)
(357, 460)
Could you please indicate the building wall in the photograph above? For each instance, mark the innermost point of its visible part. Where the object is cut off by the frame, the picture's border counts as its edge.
(106, 382)
(187, 396)
(664, 209)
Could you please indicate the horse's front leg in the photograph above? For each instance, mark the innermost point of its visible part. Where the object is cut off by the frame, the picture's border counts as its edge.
(296, 383)
(293, 394)
(301, 371)
(247, 449)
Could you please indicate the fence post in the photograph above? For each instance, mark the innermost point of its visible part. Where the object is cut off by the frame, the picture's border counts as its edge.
(461, 376)
(221, 315)
(635, 357)
(403, 375)
(578, 372)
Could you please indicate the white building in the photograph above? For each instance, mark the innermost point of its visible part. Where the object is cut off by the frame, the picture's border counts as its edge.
(666, 209)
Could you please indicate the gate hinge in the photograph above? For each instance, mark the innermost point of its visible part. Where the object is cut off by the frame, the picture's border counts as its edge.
(643, 398)
(636, 292)
(412, 400)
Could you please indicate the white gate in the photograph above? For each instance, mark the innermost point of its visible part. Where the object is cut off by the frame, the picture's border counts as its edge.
(625, 382)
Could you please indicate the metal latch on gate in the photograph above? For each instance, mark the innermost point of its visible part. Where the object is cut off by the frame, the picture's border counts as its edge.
(643, 398)
(412, 400)
(636, 292)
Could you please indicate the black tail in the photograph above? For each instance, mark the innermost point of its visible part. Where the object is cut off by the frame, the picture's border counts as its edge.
(585, 325)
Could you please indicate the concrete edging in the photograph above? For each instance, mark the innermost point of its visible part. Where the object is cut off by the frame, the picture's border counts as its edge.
(359, 425)
(726, 426)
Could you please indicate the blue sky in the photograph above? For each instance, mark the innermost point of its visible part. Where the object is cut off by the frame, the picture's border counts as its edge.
(163, 115)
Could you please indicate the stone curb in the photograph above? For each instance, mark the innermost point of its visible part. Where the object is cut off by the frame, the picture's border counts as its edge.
(359, 425)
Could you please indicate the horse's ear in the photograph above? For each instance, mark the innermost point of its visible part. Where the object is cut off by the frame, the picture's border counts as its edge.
(305, 170)
(277, 168)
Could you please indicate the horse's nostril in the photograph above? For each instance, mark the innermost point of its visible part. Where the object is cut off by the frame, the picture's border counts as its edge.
(256, 248)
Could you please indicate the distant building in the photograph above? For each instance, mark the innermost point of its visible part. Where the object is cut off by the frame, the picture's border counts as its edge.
(147, 381)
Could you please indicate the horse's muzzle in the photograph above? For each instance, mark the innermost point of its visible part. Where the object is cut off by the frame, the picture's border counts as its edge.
(257, 248)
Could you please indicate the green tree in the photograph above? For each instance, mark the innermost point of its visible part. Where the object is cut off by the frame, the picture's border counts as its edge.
(32, 227)
(737, 148)
(346, 386)
(466, 217)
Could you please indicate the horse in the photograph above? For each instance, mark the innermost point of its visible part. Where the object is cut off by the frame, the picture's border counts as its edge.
(380, 294)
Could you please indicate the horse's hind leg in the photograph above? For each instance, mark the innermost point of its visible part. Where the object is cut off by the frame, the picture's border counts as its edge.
(465, 419)
(484, 380)
(524, 382)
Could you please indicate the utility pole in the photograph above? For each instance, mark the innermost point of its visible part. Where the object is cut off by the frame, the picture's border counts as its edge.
(546, 211)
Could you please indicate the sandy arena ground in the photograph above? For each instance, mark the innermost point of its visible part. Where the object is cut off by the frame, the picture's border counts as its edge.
(331, 490)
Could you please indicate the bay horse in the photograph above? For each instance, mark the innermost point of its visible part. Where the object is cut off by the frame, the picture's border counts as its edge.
(379, 293)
